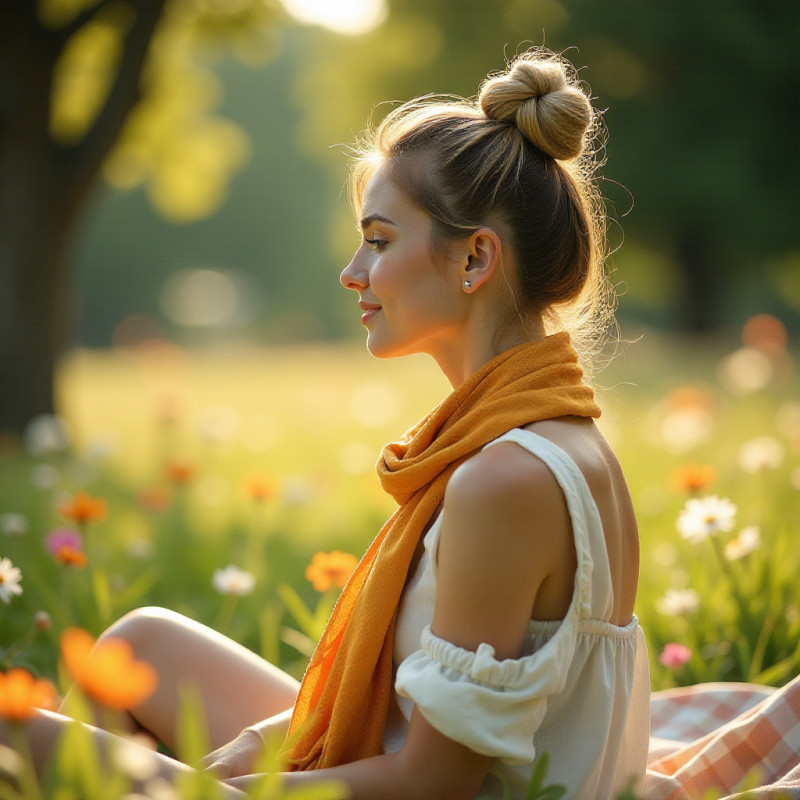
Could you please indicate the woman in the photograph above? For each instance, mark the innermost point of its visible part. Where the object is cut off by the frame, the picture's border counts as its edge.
(491, 621)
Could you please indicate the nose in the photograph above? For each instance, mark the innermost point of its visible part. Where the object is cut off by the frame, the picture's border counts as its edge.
(354, 276)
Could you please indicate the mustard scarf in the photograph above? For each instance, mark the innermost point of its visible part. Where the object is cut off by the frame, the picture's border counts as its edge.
(343, 700)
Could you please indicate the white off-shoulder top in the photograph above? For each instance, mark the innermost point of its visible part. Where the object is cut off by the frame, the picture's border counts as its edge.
(580, 692)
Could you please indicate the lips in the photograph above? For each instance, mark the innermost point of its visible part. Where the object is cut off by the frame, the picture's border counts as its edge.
(369, 309)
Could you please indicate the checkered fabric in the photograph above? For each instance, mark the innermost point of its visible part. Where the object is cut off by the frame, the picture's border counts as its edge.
(725, 737)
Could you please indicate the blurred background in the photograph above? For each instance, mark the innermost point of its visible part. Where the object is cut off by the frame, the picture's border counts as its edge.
(173, 221)
(172, 171)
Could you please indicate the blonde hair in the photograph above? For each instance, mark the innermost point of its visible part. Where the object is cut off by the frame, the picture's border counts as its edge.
(519, 157)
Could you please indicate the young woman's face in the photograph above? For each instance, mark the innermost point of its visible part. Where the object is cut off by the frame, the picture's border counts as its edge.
(409, 303)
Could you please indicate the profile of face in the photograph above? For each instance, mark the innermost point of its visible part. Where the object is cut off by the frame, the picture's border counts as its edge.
(409, 303)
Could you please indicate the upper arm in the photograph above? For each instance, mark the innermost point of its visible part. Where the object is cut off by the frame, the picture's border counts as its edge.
(505, 530)
(504, 526)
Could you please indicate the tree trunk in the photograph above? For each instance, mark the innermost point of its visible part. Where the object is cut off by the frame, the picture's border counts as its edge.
(43, 187)
(695, 261)
(34, 307)
(31, 229)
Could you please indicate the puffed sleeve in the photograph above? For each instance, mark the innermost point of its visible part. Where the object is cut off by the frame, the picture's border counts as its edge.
(493, 707)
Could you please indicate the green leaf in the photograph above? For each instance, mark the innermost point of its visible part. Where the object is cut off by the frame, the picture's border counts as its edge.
(537, 777)
(133, 593)
(192, 731)
(302, 643)
(269, 621)
(102, 595)
(536, 788)
(297, 608)
(777, 674)
(760, 648)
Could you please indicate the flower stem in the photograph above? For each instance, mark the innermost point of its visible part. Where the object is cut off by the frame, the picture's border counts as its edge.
(727, 569)
(226, 611)
(28, 782)
(20, 644)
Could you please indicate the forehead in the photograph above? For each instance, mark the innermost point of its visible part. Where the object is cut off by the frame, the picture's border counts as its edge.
(382, 196)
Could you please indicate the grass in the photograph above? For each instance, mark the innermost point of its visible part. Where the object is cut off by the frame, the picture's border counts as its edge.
(310, 422)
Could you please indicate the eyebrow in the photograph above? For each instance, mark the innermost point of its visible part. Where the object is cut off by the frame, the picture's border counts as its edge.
(367, 221)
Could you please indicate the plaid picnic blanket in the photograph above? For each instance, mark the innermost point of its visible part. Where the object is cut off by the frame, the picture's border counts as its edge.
(726, 737)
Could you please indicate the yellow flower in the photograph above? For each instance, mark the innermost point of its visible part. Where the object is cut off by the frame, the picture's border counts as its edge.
(329, 569)
(21, 694)
(107, 671)
(83, 508)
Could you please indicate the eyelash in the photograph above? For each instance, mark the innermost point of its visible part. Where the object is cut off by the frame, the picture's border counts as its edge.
(376, 244)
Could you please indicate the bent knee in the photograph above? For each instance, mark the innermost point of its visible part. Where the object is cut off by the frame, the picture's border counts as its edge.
(145, 626)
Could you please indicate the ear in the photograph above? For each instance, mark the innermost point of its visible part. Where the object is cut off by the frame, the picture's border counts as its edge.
(484, 250)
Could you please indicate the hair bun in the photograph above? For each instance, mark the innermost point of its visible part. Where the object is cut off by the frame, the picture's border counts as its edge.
(537, 96)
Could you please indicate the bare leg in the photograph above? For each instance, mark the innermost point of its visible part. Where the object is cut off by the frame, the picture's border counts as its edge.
(237, 687)
(44, 730)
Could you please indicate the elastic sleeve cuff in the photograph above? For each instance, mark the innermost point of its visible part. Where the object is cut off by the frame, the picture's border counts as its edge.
(493, 707)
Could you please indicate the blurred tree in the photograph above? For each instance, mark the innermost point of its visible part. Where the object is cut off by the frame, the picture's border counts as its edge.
(702, 112)
(91, 85)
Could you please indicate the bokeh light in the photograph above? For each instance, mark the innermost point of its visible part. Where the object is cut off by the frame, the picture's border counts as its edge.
(208, 298)
(350, 17)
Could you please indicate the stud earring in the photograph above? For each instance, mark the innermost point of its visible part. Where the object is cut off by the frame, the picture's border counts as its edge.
(467, 285)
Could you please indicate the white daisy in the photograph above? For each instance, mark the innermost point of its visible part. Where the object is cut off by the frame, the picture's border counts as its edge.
(677, 602)
(13, 524)
(704, 517)
(749, 539)
(745, 371)
(10, 576)
(46, 434)
(233, 580)
(44, 477)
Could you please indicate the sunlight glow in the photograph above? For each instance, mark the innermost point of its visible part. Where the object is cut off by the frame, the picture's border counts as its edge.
(350, 17)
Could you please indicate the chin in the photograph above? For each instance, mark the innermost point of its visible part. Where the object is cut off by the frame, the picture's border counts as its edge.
(376, 351)
(383, 349)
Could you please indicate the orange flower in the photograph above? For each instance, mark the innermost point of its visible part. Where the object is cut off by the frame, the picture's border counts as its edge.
(107, 671)
(327, 569)
(83, 508)
(692, 477)
(21, 694)
(179, 472)
(70, 557)
(260, 488)
(154, 499)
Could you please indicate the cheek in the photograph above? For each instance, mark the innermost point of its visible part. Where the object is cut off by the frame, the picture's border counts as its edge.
(392, 278)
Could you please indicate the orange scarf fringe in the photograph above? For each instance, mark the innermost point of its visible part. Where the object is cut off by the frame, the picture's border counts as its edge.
(341, 708)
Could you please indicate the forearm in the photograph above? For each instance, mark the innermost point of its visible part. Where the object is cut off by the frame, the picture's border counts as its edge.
(385, 777)
(275, 726)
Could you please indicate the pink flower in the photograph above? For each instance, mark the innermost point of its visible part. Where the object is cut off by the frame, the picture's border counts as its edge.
(674, 655)
(62, 538)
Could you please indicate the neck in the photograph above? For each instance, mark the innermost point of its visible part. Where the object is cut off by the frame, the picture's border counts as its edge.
(463, 357)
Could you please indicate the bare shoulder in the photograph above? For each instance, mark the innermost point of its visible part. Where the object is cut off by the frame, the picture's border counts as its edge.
(502, 480)
(505, 531)
(505, 504)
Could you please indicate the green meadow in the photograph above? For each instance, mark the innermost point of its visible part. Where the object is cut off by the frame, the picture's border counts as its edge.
(259, 458)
